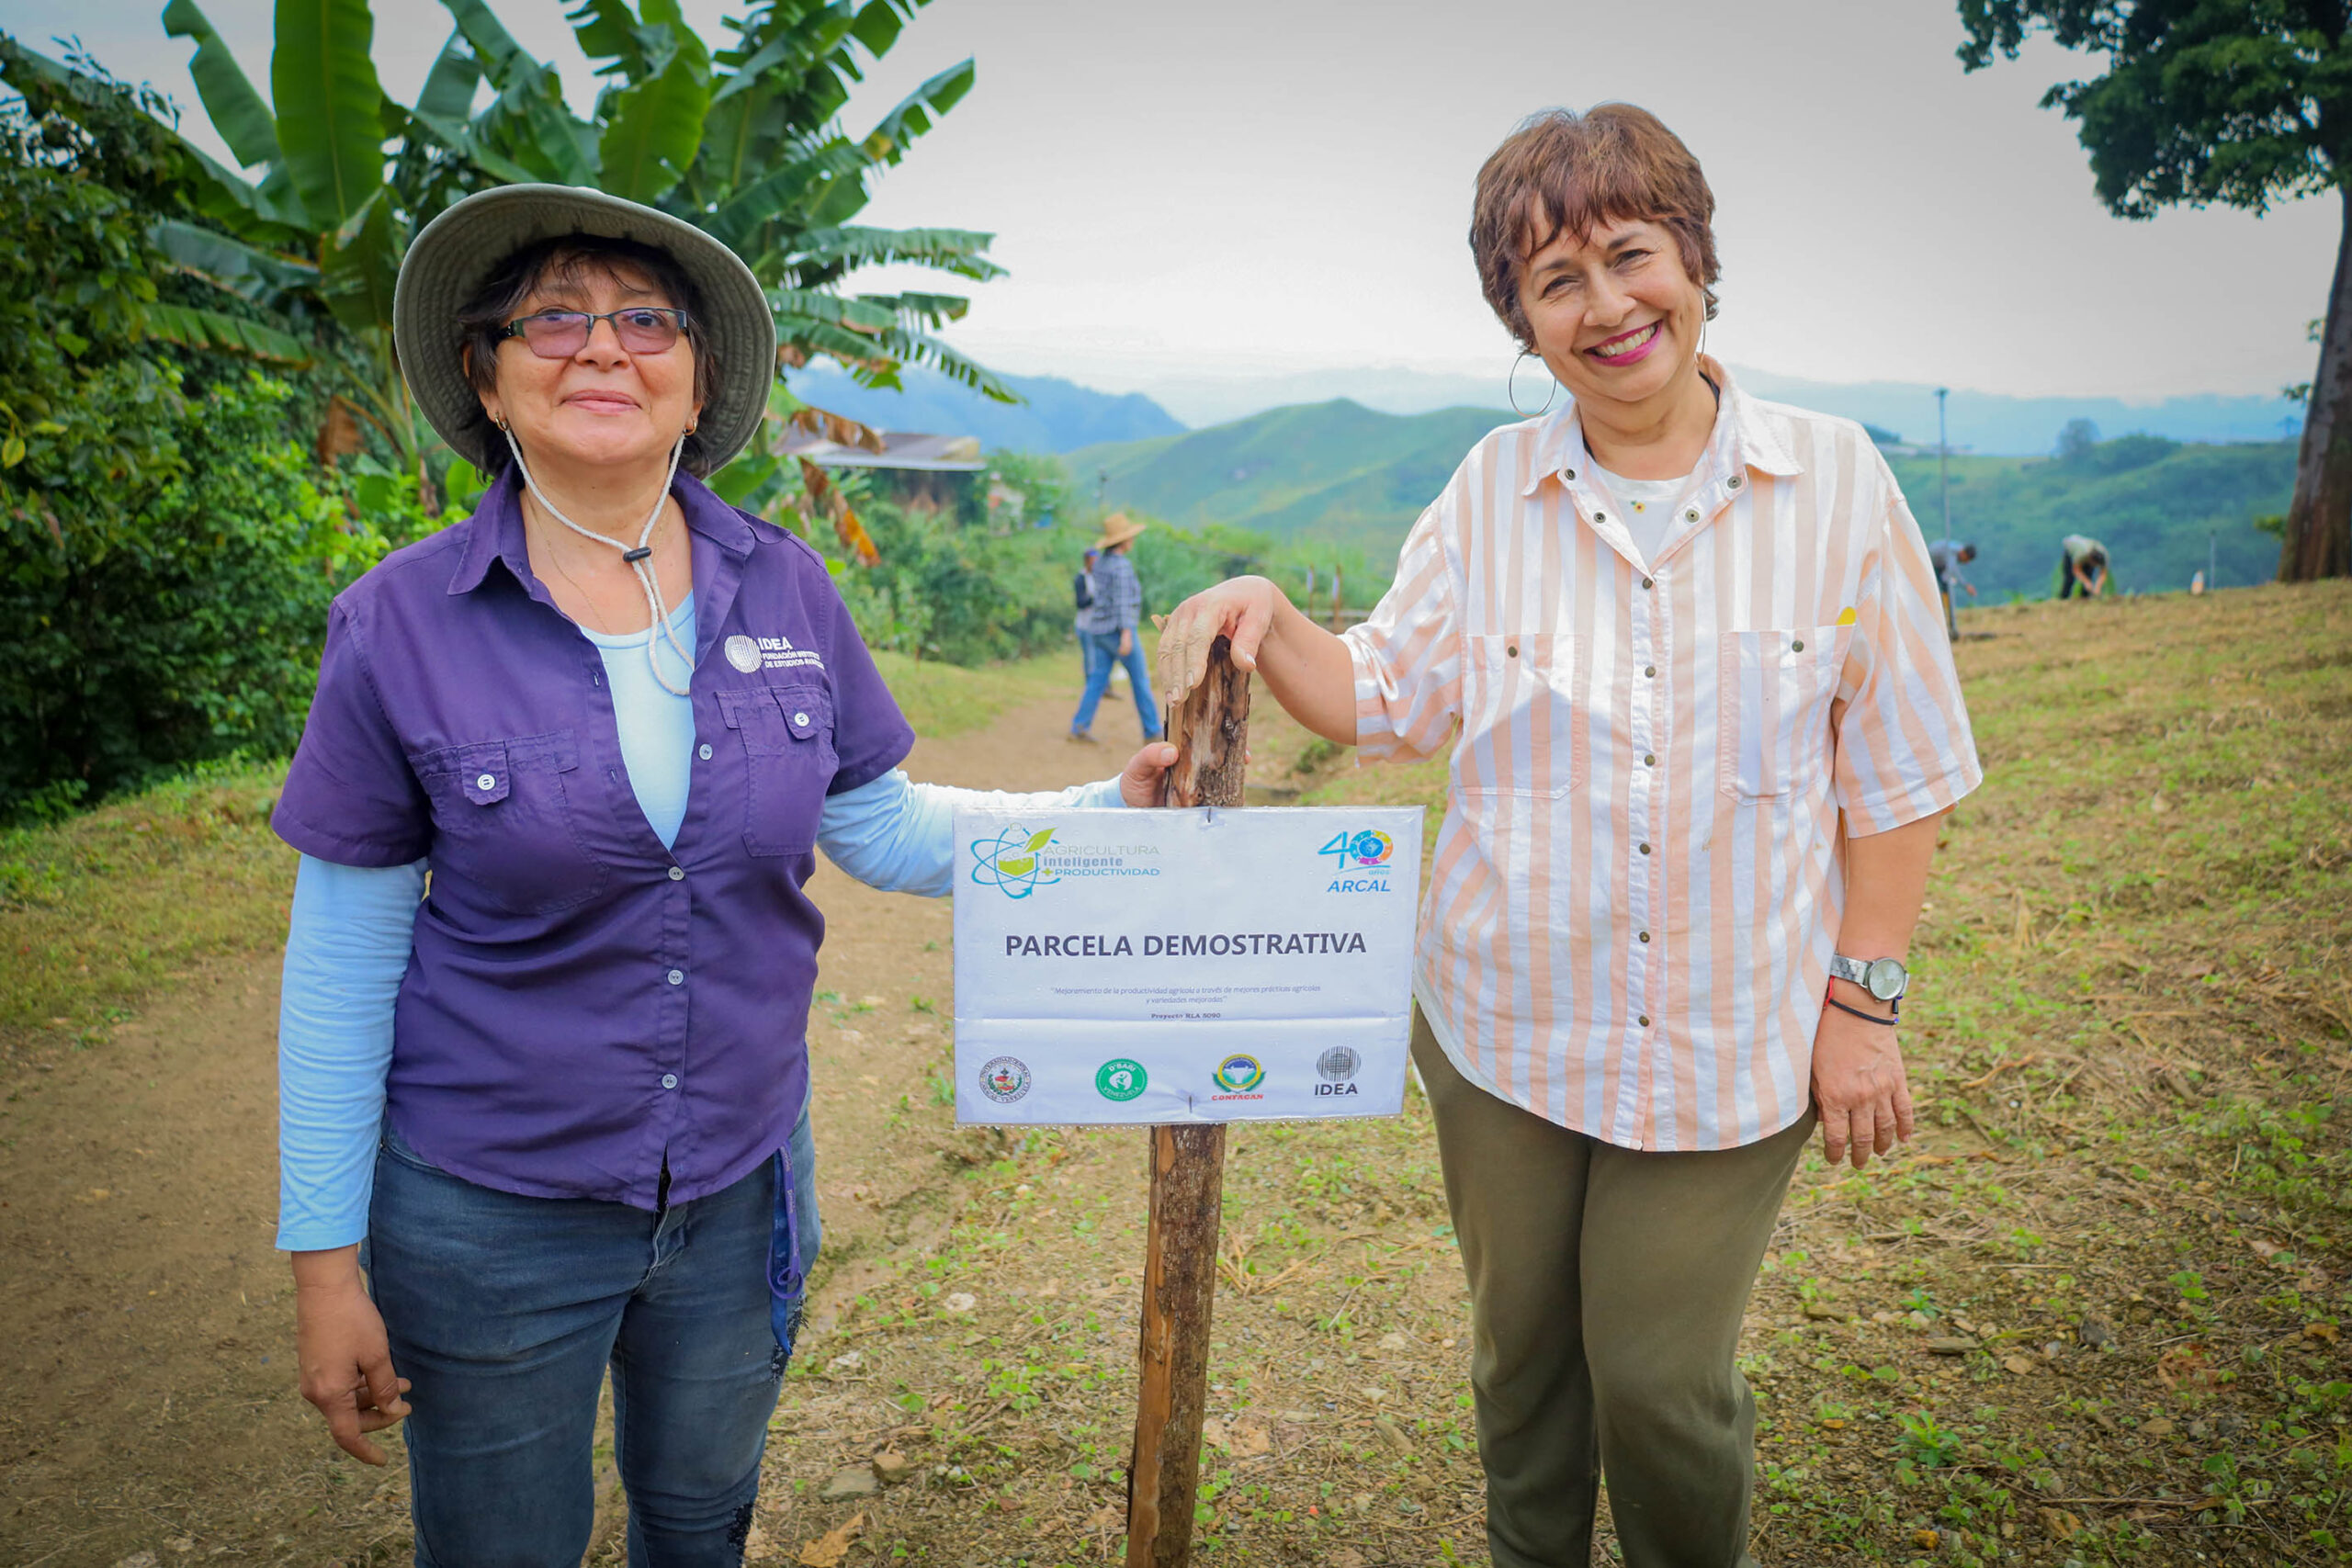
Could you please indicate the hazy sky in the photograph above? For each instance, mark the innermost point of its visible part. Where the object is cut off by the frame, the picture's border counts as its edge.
(1228, 188)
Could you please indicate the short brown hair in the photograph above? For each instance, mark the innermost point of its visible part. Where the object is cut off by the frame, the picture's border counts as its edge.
(1563, 172)
(484, 317)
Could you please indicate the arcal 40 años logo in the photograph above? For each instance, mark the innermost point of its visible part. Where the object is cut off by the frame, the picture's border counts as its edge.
(1012, 861)
(1363, 860)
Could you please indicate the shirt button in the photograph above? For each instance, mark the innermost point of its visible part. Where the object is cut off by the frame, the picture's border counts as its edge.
(1601, 517)
(1569, 473)
(1797, 647)
(1690, 514)
(678, 977)
(488, 780)
(703, 751)
(1645, 849)
(1643, 1021)
(1511, 650)
(1645, 936)
(678, 872)
(1732, 482)
(1650, 671)
(1649, 759)
(669, 1080)
(1645, 583)
(801, 718)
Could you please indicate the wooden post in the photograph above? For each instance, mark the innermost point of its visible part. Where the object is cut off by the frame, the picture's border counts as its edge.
(1211, 731)
(1335, 598)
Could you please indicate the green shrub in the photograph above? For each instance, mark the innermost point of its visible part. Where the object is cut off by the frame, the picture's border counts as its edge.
(166, 551)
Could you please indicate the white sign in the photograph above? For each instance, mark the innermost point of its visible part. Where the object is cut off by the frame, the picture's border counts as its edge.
(1199, 965)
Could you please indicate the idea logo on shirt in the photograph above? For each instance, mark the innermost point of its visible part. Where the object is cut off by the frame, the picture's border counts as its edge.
(753, 653)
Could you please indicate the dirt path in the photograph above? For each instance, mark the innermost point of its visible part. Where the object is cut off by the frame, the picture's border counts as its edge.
(146, 1324)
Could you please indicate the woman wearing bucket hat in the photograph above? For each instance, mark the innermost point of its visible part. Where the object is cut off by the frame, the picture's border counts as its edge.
(1109, 632)
(556, 1108)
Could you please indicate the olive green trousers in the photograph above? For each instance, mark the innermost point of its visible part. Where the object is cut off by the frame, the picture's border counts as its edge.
(1606, 1290)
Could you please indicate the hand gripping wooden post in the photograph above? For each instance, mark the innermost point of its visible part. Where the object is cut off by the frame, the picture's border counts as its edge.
(1211, 729)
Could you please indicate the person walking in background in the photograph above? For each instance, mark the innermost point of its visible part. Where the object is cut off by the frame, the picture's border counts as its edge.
(1083, 591)
(1112, 625)
(1950, 555)
(1673, 640)
(2082, 565)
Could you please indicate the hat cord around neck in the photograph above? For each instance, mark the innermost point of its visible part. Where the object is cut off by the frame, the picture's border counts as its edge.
(639, 558)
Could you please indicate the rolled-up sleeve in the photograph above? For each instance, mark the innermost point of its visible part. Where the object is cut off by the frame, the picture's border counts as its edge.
(1407, 653)
(1904, 749)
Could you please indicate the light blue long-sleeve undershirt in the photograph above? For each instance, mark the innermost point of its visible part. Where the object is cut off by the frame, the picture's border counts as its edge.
(347, 943)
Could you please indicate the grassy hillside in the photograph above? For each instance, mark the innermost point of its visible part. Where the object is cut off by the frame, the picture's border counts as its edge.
(2149, 502)
(1342, 472)
(1335, 470)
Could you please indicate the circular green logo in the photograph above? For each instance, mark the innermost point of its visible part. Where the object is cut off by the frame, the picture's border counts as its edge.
(1119, 1079)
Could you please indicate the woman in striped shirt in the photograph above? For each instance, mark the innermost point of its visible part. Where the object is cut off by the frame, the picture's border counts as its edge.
(1685, 651)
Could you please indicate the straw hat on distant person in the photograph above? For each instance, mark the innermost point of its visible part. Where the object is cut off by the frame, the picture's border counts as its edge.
(1117, 529)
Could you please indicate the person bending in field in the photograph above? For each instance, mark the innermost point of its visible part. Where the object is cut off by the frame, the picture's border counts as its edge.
(2082, 567)
(1950, 555)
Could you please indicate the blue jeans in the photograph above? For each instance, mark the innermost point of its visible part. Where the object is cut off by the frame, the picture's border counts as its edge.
(1101, 650)
(503, 1312)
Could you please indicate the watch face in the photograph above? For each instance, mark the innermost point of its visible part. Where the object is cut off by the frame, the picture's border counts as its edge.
(1884, 978)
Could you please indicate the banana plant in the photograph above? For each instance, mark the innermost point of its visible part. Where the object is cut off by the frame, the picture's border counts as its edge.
(745, 141)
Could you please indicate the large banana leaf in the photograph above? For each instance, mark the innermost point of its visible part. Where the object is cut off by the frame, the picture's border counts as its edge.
(921, 310)
(920, 348)
(656, 124)
(448, 91)
(238, 113)
(233, 266)
(499, 55)
(957, 251)
(192, 328)
(528, 124)
(328, 101)
(361, 263)
(608, 32)
(917, 111)
(878, 22)
(457, 137)
(739, 220)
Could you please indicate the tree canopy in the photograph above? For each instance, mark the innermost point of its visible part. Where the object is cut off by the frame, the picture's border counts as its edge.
(2203, 101)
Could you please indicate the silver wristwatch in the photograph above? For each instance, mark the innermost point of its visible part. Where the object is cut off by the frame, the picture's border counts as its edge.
(1884, 978)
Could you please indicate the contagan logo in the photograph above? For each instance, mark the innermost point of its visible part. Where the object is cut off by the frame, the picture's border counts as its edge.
(1240, 1073)
(1010, 863)
(1121, 1079)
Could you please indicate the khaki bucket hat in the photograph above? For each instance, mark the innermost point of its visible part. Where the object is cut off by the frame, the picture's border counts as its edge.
(448, 262)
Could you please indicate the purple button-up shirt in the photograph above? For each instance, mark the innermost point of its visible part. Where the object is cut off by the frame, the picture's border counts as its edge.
(582, 1004)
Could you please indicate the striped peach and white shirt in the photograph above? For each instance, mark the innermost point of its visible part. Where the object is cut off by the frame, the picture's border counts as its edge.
(1637, 885)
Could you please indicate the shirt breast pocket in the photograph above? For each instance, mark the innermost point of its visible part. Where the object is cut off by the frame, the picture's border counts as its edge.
(1527, 727)
(787, 735)
(1772, 705)
(503, 835)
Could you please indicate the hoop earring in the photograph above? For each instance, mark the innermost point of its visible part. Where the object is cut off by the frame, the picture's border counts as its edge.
(1511, 388)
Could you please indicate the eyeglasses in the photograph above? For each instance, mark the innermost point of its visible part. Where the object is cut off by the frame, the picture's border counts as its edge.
(560, 335)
